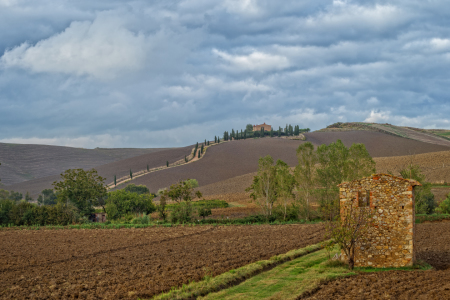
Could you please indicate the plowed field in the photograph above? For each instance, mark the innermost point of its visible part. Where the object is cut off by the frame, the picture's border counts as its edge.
(132, 263)
(433, 246)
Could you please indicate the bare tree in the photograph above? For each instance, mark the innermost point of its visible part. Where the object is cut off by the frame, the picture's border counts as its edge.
(350, 229)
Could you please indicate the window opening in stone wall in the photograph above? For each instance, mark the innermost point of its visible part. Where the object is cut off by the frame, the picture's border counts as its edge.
(364, 198)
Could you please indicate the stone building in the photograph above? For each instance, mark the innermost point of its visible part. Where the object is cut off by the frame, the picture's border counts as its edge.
(390, 238)
(265, 126)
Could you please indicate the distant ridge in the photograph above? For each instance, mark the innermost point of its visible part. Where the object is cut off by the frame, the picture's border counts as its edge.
(23, 162)
(432, 136)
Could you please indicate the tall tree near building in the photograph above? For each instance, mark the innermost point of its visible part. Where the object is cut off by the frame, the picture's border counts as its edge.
(249, 128)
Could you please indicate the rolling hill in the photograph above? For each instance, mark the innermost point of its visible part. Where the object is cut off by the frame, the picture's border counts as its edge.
(236, 158)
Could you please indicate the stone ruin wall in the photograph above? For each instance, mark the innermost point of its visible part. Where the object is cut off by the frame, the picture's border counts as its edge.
(390, 241)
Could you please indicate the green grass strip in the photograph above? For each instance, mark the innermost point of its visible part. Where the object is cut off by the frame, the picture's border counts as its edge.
(232, 277)
(432, 218)
(294, 278)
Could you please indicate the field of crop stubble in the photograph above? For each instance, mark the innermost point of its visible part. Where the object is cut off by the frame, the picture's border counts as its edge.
(132, 263)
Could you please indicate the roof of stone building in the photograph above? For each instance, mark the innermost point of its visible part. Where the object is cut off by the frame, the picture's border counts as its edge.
(411, 181)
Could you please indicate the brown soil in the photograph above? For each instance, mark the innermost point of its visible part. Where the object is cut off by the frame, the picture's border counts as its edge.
(132, 263)
(435, 165)
(433, 246)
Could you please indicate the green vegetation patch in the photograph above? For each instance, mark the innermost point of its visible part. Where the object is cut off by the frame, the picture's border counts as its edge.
(287, 281)
(212, 284)
(204, 203)
(292, 279)
(431, 218)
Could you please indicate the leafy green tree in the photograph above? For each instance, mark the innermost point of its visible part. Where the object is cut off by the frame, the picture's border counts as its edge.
(82, 188)
(138, 189)
(11, 195)
(285, 183)
(263, 188)
(249, 128)
(182, 191)
(337, 164)
(47, 197)
(28, 197)
(162, 208)
(306, 177)
(120, 203)
(424, 198)
(204, 211)
(444, 206)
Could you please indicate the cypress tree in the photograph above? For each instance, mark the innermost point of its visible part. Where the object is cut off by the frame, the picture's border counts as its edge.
(215, 139)
(198, 154)
(208, 143)
(218, 140)
(167, 163)
(115, 182)
(271, 132)
(262, 131)
(131, 174)
(205, 141)
(185, 158)
(201, 149)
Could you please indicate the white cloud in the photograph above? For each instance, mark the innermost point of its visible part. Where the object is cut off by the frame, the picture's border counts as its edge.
(241, 6)
(255, 61)
(345, 18)
(440, 44)
(103, 48)
(373, 101)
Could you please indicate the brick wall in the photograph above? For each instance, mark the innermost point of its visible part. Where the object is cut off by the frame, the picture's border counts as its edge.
(390, 240)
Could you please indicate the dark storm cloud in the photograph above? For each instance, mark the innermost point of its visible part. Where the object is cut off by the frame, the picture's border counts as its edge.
(169, 73)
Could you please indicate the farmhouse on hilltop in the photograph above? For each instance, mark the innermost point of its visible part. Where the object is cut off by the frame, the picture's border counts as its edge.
(265, 126)
(390, 239)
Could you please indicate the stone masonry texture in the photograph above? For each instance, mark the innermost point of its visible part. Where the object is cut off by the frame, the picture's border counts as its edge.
(390, 238)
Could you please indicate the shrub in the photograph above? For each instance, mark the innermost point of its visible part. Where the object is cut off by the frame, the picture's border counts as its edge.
(204, 212)
(122, 202)
(181, 213)
(24, 213)
(138, 189)
(144, 219)
(444, 206)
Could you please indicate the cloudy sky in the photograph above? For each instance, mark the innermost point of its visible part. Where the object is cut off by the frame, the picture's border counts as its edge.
(169, 73)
